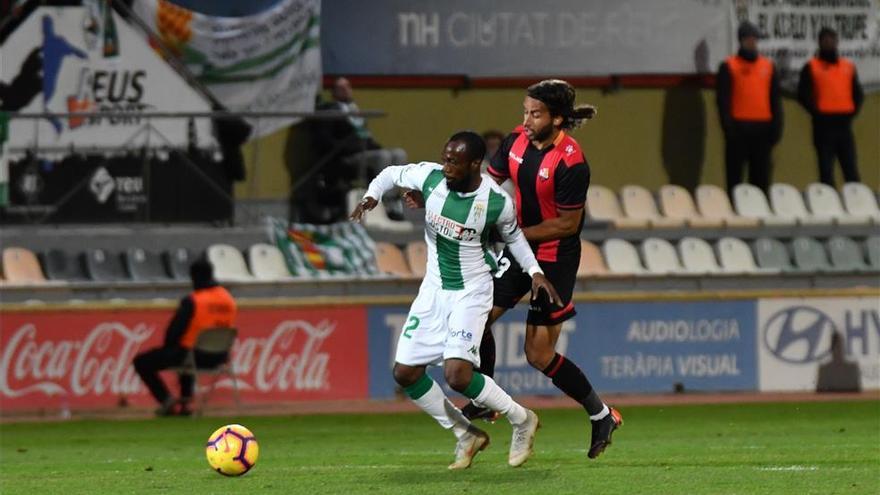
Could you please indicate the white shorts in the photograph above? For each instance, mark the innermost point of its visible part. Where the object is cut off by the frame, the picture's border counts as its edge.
(444, 324)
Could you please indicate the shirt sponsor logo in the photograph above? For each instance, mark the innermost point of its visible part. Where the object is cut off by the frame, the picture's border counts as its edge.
(514, 157)
(461, 334)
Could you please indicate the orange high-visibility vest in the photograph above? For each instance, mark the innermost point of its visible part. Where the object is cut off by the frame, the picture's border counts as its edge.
(750, 88)
(212, 307)
(832, 85)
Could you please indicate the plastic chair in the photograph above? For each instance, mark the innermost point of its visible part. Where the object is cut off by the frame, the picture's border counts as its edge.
(809, 255)
(788, 203)
(713, 203)
(860, 200)
(177, 263)
(390, 260)
(103, 266)
(61, 265)
(660, 257)
(603, 205)
(751, 203)
(21, 266)
(218, 340)
(417, 258)
(734, 256)
(144, 266)
(267, 263)
(229, 265)
(622, 258)
(872, 246)
(772, 255)
(697, 256)
(591, 263)
(846, 255)
(638, 203)
(676, 202)
(825, 204)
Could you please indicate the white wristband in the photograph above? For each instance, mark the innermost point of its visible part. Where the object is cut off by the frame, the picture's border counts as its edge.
(535, 269)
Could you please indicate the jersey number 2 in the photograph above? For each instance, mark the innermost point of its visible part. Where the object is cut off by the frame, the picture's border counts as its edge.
(411, 324)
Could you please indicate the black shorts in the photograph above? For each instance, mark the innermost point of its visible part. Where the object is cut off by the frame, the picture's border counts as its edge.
(511, 284)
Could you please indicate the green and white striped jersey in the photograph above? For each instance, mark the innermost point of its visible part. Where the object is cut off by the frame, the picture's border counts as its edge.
(457, 225)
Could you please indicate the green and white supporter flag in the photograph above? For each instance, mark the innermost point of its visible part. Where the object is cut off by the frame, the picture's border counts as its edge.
(457, 225)
(315, 251)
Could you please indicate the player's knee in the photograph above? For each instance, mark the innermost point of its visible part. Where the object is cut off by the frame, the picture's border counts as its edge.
(539, 357)
(458, 378)
(405, 375)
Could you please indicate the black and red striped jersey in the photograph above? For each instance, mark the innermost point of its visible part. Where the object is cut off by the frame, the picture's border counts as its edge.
(546, 181)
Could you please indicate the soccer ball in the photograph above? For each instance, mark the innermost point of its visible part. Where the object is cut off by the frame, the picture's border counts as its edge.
(232, 450)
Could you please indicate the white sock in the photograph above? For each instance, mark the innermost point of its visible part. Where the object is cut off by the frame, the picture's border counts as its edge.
(438, 406)
(496, 399)
(604, 412)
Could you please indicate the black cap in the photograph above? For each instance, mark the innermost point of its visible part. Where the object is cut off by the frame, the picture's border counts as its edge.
(826, 31)
(747, 29)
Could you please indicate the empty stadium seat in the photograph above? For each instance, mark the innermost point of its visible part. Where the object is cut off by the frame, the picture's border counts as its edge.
(61, 265)
(417, 257)
(809, 255)
(145, 266)
(846, 254)
(773, 255)
(229, 265)
(676, 202)
(660, 257)
(751, 203)
(591, 263)
(788, 203)
(21, 266)
(713, 203)
(825, 204)
(639, 204)
(603, 205)
(390, 260)
(377, 218)
(734, 256)
(860, 200)
(697, 256)
(177, 263)
(622, 258)
(872, 246)
(103, 266)
(267, 263)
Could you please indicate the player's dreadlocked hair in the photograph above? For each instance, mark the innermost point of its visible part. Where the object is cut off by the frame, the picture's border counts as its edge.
(558, 95)
(475, 145)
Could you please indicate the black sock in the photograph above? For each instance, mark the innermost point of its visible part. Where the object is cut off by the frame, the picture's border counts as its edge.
(487, 354)
(571, 380)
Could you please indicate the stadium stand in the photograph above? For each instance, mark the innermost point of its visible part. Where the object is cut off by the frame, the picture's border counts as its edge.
(603, 206)
(21, 266)
(825, 204)
(390, 260)
(229, 265)
(104, 266)
(697, 256)
(145, 266)
(592, 264)
(417, 257)
(660, 257)
(751, 203)
(639, 204)
(676, 202)
(622, 258)
(713, 203)
(62, 265)
(788, 203)
(735, 257)
(267, 263)
(860, 200)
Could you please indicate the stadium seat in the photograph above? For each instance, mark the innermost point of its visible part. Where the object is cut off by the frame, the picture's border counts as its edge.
(229, 265)
(591, 264)
(860, 200)
(772, 255)
(61, 265)
(177, 263)
(872, 246)
(751, 203)
(788, 203)
(390, 260)
(417, 258)
(660, 257)
(713, 203)
(809, 255)
(104, 266)
(217, 340)
(603, 206)
(697, 256)
(639, 204)
(846, 255)
(145, 266)
(824, 203)
(735, 257)
(377, 218)
(622, 258)
(676, 202)
(267, 263)
(21, 266)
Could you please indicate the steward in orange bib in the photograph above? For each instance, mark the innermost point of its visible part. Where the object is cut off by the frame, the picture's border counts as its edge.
(209, 305)
(750, 107)
(829, 89)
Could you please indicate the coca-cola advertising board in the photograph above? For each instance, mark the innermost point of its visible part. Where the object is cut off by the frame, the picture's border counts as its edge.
(83, 359)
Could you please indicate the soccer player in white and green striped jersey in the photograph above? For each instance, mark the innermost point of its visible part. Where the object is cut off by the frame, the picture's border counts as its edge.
(446, 321)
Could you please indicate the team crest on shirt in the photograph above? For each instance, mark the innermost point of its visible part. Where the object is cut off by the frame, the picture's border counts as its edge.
(544, 173)
(569, 149)
(479, 210)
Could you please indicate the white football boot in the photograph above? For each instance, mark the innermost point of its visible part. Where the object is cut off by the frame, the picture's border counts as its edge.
(523, 439)
(469, 445)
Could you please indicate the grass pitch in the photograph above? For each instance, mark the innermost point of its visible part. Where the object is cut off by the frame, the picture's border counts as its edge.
(796, 448)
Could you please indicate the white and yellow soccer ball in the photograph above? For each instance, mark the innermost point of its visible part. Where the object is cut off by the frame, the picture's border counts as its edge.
(232, 450)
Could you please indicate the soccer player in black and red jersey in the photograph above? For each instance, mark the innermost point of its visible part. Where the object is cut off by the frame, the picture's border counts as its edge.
(550, 177)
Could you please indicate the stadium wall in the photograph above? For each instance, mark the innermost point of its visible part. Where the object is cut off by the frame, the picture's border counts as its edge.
(644, 136)
(56, 357)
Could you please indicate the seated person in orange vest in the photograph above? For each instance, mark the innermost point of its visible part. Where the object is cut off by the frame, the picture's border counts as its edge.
(750, 107)
(209, 305)
(829, 89)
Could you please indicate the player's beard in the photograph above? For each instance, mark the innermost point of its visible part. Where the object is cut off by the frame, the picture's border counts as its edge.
(459, 185)
(542, 134)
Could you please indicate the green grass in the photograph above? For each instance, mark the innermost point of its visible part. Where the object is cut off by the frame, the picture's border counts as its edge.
(820, 448)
